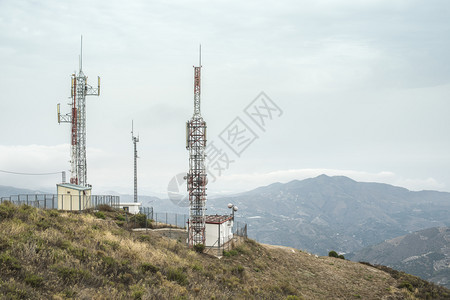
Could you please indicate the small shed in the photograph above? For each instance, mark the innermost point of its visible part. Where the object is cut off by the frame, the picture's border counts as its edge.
(131, 207)
(218, 230)
(73, 197)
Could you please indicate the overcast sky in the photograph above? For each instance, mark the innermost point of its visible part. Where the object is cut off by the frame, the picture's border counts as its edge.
(362, 87)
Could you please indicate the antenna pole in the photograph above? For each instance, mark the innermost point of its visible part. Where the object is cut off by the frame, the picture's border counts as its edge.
(81, 54)
(135, 140)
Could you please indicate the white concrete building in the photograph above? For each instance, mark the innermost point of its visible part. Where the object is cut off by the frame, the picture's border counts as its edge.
(218, 230)
(132, 207)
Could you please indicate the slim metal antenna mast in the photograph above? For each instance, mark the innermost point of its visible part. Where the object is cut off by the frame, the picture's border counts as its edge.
(81, 55)
(135, 140)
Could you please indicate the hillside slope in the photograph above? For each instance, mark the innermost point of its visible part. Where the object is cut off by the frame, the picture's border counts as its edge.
(45, 254)
(425, 253)
(335, 213)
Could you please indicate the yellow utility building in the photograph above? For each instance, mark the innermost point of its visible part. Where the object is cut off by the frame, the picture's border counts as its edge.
(73, 197)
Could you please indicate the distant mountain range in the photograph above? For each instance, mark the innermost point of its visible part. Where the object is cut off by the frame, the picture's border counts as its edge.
(6, 191)
(335, 213)
(322, 213)
(425, 253)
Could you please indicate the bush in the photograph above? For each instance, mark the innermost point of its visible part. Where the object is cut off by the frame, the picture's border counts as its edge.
(148, 267)
(177, 275)
(407, 285)
(230, 253)
(139, 219)
(333, 253)
(238, 270)
(341, 256)
(144, 238)
(72, 275)
(199, 248)
(9, 262)
(34, 280)
(105, 207)
(7, 210)
(99, 215)
(120, 218)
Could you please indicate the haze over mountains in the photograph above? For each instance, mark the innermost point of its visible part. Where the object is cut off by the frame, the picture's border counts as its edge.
(336, 213)
(425, 253)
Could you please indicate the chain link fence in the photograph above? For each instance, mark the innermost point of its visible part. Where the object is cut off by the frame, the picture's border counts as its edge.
(164, 218)
(73, 202)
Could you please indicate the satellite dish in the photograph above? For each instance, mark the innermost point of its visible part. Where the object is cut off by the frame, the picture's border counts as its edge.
(230, 205)
(235, 208)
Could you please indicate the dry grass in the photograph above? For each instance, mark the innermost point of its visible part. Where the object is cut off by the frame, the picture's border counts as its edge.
(49, 254)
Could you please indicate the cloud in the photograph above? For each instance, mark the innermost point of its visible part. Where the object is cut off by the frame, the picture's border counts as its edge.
(33, 159)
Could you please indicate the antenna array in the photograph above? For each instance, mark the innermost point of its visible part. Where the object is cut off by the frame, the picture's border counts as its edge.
(77, 117)
(196, 178)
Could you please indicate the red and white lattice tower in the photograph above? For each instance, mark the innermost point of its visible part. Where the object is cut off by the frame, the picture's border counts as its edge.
(77, 117)
(196, 178)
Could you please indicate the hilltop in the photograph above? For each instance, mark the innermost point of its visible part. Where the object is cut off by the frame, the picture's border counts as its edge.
(59, 255)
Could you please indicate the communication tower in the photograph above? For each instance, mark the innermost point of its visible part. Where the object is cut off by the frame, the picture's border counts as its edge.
(135, 140)
(196, 178)
(77, 117)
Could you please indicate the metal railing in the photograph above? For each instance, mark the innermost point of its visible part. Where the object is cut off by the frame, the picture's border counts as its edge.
(63, 202)
(165, 218)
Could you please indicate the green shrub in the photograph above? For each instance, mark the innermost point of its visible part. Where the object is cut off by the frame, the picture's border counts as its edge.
(333, 253)
(114, 245)
(120, 218)
(238, 270)
(144, 238)
(199, 248)
(105, 207)
(52, 213)
(9, 262)
(126, 278)
(43, 223)
(177, 275)
(148, 267)
(100, 215)
(72, 275)
(230, 253)
(63, 244)
(12, 290)
(80, 253)
(4, 243)
(243, 249)
(407, 285)
(137, 291)
(139, 219)
(7, 210)
(197, 267)
(33, 280)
